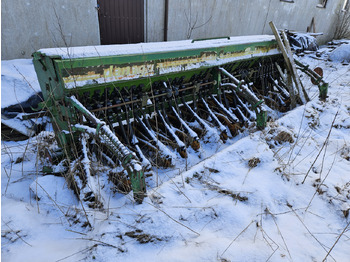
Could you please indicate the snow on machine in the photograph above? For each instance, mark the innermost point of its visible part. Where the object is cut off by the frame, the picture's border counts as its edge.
(146, 104)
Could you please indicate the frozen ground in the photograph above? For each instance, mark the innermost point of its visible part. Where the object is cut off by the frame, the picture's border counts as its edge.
(247, 202)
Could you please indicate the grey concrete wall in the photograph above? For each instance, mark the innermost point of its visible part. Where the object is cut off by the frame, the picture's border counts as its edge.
(154, 20)
(28, 25)
(213, 18)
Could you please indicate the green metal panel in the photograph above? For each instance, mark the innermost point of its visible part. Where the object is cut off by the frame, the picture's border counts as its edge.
(72, 72)
(90, 77)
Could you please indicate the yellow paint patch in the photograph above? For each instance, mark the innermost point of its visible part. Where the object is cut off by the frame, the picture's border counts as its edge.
(151, 68)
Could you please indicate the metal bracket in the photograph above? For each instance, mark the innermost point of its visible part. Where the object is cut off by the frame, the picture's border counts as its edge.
(145, 99)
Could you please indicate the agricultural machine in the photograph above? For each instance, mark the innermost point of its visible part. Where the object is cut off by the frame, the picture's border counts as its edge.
(144, 103)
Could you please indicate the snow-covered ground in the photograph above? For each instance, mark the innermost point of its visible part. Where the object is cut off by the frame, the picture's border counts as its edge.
(281, 194)
(18, 80)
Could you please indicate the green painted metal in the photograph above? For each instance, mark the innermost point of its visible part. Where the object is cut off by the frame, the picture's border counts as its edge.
(210, 38)
(322, 85)
(323, 88)
(64, 68)
(128, 160)
(66, 64)
(261, 115)
(58, 81)
(261, 119)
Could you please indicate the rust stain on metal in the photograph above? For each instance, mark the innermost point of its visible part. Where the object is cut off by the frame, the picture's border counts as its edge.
(158, 67)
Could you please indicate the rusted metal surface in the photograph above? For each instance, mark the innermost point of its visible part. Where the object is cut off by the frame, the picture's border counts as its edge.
(109, 73)
(319, 71)
(150, 106)
(152, 97)
(121, 21)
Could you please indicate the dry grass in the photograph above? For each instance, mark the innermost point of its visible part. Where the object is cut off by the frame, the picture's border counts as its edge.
(342, 29)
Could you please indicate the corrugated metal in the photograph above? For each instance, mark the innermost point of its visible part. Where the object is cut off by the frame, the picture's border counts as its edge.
(121, 21)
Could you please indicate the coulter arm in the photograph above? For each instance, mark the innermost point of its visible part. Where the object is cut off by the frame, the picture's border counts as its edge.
(241, 88)
(128, 159)
(315, 78)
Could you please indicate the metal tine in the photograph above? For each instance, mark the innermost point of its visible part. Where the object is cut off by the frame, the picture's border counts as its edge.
(151, 134)
(146, 120)
(165, 115)
(225, 98)
(222, 128)
(142, 137)
(282, 91)
(193, 135)
(236, 107)
(233, 127)
(144, 123)
(154, 136)
(278, 99)
(108, 117)
(148, 144)
(181, 148)
(195, 115)
(172, 103)
(226, 117)
(156, 158)
(254, 90)
(119, 119)
(160, 126)
(129, 131)
(135, 143)
(237, 111)
(230, 116)
(166, 122)
(272, 101)
(175, 99)
(248, 112)
(284, 86)
(161, 129)
(166, 139)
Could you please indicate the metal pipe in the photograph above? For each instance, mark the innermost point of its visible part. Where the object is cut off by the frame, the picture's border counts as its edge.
(166, 16)
(151, 97)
